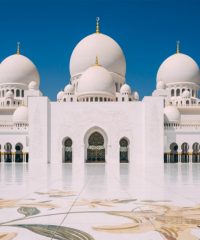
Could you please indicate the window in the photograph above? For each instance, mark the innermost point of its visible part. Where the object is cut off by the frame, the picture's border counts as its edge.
(192, 93)
(172, 92)
(177, 92)
(22, 93)
(17, 93)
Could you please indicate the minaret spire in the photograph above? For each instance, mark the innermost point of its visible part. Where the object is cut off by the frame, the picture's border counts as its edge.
(97, 61)
(97, 25)
(18, 48)
(178, 47)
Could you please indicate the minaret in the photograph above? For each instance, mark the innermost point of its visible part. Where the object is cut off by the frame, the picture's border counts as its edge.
(97, 25)
(178, 47)
(18, 48)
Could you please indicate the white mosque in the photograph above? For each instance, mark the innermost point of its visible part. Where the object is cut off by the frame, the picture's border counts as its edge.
(97, 117)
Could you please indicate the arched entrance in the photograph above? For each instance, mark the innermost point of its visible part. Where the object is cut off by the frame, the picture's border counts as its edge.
(184, 153)
(195, 153)
(8, 152)
(173, 153)
(123, 152)
(18, 152)
(96, 148)
(67, 150)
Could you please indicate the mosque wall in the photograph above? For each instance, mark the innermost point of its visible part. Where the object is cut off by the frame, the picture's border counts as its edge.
(115, 121)
(39, 131)
(13, 139)
(180, 136)
(154, 131)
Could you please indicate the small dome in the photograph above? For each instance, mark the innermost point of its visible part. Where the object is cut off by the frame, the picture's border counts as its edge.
(160, 85)
(179, 68)
(171, 114)
(96, 80)
(60, 95)
(136, 96)
(186, 94)
(125, 89)
(9, 94)
(69, 89)
(20, 115)
(18, 69)
(33, 85)
(101, 45)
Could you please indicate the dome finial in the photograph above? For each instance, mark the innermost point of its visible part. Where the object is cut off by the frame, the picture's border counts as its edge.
(97, 61)
(178, 46)
(97, 25)
(18, 47)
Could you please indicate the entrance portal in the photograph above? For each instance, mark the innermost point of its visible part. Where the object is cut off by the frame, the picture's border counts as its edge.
(67, 151)
(8, 153)
(18, 153)
(123, 150)
(96, 148)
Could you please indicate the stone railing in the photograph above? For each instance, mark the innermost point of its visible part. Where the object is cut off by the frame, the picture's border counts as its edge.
(12, 126)
(180, 157)
(192, 125)
(11, 157)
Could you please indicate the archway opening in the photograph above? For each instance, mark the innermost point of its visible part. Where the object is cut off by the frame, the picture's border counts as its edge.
(18, 152)
(96, 148)
(123, 152)
(67, 150)
(8, 152)
(184, 153)
(195, 153)
(173, 153)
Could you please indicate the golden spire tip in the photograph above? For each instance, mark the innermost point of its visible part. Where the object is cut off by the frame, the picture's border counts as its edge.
(18, 47)
(97, 25)
(97, 61)
(178, 47)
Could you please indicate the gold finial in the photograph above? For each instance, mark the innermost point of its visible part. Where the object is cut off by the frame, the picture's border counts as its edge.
(97, 25)
(178, 47)
(97, 61)
(18, 47)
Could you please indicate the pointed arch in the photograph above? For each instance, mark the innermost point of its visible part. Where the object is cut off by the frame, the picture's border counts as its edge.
(95, 141)
(8, 152)
(18, 152)
(67, 150)
(124, 150)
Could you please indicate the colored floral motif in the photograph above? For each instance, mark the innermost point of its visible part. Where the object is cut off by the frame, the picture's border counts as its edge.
(171, 222)
(7, 236)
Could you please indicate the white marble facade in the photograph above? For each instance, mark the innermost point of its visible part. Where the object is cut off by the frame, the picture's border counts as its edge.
(98, 117)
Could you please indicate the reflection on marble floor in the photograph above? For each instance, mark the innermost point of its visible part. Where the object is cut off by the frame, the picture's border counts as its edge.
(99, 202)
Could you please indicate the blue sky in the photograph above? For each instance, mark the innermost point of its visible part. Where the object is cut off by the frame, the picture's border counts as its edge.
(147, 31)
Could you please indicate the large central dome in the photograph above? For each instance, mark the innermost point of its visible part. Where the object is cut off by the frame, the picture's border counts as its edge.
(108, 51)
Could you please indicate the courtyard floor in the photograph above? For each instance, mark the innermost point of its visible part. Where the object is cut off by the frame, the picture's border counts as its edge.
(99, 202)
